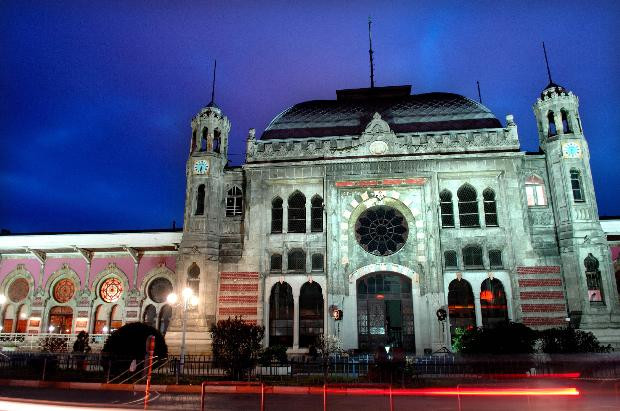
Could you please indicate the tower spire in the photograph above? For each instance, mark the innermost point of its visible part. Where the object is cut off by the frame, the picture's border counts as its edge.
(547, 62)
(370, 52)
(479, 95)
(213, 84)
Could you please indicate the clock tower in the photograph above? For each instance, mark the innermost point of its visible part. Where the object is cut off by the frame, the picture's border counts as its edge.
(591, 292)
(197, 263)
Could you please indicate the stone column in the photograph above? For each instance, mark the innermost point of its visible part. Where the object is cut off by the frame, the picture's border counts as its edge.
(284, 215)
(295, 318)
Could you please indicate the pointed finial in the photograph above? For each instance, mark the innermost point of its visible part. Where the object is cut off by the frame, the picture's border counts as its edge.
(213, 85)
(547, 62)
(479, 95)
(370, 52)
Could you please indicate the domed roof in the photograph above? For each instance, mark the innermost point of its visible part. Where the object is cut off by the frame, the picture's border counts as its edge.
(353, 109)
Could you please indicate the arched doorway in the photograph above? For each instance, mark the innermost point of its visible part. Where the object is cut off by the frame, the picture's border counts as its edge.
(310, 313)
(493, 303)
(281, 309)
(61, 318)
(385, 312)
(461, 305)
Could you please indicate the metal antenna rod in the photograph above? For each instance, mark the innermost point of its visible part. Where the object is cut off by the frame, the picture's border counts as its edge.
(547, 62)
(213, 85)
(479, 95)
(370, 52)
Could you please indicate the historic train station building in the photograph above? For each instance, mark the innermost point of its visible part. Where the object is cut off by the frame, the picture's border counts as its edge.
(380, 207)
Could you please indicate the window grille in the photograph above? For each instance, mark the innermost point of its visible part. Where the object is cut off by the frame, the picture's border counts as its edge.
(468, 206)
(297, 261)
(472, 257)
(495, 259)
(447, 212)
(490, 208)
(234, 202)
(297, 213)
(317, 262)
(575, 181)
(535, 191)
(276, 263)
(310, 313)
(281, 309)
(316, 215)
(276, 215)
(450, 259)
(200, 200)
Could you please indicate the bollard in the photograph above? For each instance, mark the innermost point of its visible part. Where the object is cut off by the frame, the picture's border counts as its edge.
(150, 349)
(391, 399)
(324, 397)
(262, 396)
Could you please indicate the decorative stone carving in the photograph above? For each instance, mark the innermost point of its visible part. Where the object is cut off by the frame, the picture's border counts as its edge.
(378, 147)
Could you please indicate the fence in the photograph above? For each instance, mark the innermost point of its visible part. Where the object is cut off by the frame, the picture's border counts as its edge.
(34, 342)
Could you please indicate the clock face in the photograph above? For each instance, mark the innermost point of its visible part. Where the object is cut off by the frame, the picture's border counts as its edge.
(201, 167)
(571, 150)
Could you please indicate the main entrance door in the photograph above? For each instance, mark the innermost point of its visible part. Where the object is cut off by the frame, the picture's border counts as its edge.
(61, 318)
(385, 312)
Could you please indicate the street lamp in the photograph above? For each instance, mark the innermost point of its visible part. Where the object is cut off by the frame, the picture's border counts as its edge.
(189, 300)
(2, 299)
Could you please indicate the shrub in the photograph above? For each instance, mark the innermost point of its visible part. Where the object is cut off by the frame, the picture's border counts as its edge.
(236, 345)
(509, 338)
(276, 353)
(569, 340)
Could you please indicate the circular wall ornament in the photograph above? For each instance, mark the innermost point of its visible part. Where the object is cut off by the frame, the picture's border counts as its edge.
(111, 290)
(159, 289)
(18, 290)
(64, 290)
(378, 147)
(381, 230)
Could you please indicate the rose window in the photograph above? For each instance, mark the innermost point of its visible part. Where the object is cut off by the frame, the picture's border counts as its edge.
(111, 290)
(381, 230)
(64, 290)
(159, 289)
(18, 290)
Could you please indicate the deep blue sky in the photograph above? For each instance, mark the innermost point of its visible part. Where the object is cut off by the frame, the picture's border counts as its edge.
(96, 98)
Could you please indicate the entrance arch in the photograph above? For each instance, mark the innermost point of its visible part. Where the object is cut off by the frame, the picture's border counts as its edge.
(385, 311)
(61, 318)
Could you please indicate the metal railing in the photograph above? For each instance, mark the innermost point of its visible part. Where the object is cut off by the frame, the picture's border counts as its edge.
(35, 342)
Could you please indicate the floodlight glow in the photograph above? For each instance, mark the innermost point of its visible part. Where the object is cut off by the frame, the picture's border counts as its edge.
(172, 298)
(193, 300)
(187, 292)
(105, 329)
(23, 316)
(2, 299)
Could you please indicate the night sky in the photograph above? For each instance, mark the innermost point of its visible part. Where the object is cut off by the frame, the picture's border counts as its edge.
(96, 98)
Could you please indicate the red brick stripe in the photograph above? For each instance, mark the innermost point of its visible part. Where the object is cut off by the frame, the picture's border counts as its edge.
(543, 308)
(552, 282)
(239, 276)
(238, 310)
(542, 295)
(537, 321)
(238, 287)
(540, 269)
(238, 299)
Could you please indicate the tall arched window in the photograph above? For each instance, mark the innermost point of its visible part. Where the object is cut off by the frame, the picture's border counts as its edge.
(193, 141)
(61, 318)
(217, 141)
(447, 211)
(193, 278)
(575, 182)
(461, 306)
(493, 303)
(281, 311)
(472, 257)
(551, 119)
(99, 320)
(8, 318)
(165, 314)
(297, 213)
(234, 202)
(316, 214)
(535, 191)
(203, 139)
(565, 122)
(200, 200)
(116, 318)
(22, 319)
(150, 316)
(490, 208)
(276, 215)
(310, 313)
(297, 260)
(468, 206)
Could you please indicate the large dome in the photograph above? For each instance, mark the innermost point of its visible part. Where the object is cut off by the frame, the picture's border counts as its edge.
(353, 109)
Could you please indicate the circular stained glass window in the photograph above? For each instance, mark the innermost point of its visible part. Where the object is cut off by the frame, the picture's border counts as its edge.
(381, 230)
(64, 290)
(159, 289)
(18, 290)
(111, 290)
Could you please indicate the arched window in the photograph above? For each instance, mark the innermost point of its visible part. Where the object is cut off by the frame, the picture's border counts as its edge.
(461, 306)
(297, 260)
(450, 259)
(495, 259)
(472, 257)
(22, 319)
(200, 200)
(193, 141)
(193, 278)
(297, 213)
(150, 316)
(99, 320)
(276, 215)
(281, 311)
(575, 182)
(593, 280)
(165, 314)
(234, 202)
(8, 318)
(565, 122)
(490, 208)
(316, 214)
(447, 212)
(116, 318)
(493, 303)
(310, 313)
(217, 141)
(61, 319)
(551, 119)
(468, 206)
(203, 140)
(317, 262)
(535, 191)
(276, 263)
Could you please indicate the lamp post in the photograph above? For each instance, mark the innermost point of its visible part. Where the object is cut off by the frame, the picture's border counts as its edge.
(189, 300)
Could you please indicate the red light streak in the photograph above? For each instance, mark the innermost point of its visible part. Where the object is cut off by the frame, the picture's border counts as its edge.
(483, 392)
